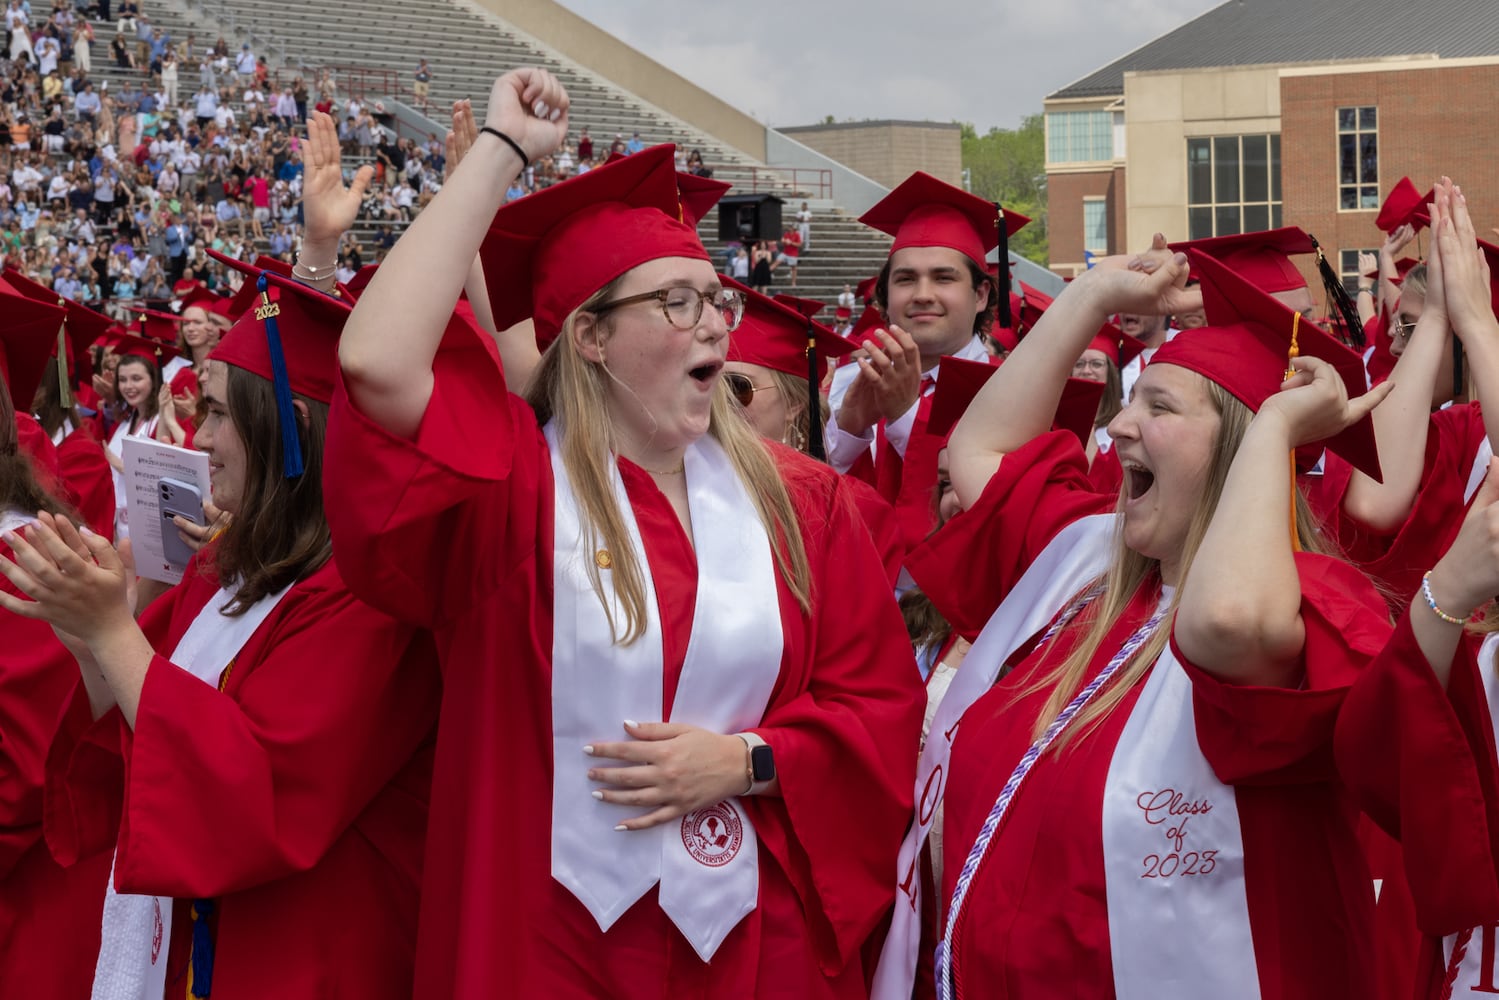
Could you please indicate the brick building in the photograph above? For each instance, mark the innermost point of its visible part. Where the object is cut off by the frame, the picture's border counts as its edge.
(1273, 113)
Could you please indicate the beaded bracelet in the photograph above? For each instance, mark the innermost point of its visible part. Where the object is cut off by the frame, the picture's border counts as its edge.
(1431, 602)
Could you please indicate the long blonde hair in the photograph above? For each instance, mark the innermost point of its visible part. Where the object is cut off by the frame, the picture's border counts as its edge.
(573, 389)
(1129, 571)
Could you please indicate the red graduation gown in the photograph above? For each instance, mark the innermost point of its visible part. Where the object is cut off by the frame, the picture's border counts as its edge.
(296, 797)
(459, 537)
(1399, 559)
(1421, 762)
(87, 479)
(49, 916)
(1036, 920)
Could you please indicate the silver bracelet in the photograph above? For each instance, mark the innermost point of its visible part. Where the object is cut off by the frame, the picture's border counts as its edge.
(312, 272)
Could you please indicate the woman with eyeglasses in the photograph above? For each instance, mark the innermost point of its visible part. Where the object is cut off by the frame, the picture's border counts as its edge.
(679, 710)
(1102, 362)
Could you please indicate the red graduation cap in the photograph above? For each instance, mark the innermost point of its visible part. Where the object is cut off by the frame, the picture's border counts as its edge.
(870, 320)
(129, 345)
(361, 279)
(559, 246)
(157, 326)
(1118, 345)
(28, 336)
(308, 324)
(842, 313)
(1491, 255)
(774, 334)
(253, 269)
(926, 212)
(1404, 206)
(1245, 348)
(1263, 259)
(1033, 302)
(960, 380)
(698, 195)
(865, 288)
(807, 308)
(82, 325)
(184, 287)
(200, 297)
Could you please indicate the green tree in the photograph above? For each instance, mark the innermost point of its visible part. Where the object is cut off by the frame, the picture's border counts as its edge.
(1009, 166)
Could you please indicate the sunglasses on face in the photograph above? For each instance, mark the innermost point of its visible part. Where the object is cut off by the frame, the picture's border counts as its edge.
(742, 388)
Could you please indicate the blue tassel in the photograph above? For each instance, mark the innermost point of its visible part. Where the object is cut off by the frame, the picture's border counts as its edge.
(202, 948)
(291, 446)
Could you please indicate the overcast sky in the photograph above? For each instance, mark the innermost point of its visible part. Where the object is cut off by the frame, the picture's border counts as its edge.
(792, 62)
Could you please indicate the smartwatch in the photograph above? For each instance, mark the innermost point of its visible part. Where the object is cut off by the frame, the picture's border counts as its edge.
(762, 763)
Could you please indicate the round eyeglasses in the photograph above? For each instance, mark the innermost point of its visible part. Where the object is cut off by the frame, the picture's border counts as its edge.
(682, 305)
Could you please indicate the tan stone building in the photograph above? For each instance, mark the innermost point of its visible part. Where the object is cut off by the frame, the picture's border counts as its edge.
(888, 152)
(1267, 113)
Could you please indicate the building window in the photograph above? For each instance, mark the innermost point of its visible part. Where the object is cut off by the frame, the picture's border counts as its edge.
(1348, 268)
(1358, 159)
(1095, 225)
(1079, 136)
(1233, 185)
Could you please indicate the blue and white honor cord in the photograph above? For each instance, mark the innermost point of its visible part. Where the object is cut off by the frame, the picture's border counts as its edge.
(1018, 776)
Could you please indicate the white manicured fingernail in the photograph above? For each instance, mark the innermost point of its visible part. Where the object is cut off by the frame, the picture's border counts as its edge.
(631, 723)
(621, 828)
(588, 749)
(556, 113)
(539, 108)
(597, 794)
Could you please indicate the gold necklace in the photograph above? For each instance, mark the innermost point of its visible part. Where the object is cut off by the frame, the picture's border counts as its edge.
(669, 472)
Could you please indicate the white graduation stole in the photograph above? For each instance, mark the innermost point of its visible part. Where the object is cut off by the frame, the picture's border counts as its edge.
(1074, 558)
(1479, 471)
(1173, 857)
(136, 932)
(707, 862)
(1475, 972)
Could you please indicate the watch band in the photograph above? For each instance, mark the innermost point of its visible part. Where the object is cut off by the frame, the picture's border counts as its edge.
(752, 741)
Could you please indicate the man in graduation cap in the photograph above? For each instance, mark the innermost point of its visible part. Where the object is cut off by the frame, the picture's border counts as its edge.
(937, 299)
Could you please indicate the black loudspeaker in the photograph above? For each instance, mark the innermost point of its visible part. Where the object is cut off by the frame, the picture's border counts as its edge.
(745, 218)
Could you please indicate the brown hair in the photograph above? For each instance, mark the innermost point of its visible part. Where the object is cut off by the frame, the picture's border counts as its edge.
(47, 405)
(981, 323)
(151, 403)
(573, 389)
(1129, 571)
(280, 534)
(1112, 400)
(21, 490)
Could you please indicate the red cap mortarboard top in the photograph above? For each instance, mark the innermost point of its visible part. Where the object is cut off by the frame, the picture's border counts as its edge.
(1246, 345)
(1491, 255)
(698, 196)
(309, 324)
(83, 325)
(1263, 259)
(559, 246)
(184, 287)
(870, 320)
(774, 334)
(126, 344)
(806, 308)
(1033, 303)
(361, 279)
(200, 297)
(158, 326)
(865, 288)
(1118, 345)
(28, 336)
(1404, 206)
(842, 313)
(926, 212)
(961, 380)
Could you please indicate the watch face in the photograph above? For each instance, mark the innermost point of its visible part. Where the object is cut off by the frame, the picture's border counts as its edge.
(763, 764)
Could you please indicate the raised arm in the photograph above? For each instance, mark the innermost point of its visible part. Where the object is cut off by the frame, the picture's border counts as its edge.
(1239, 614)
(1401, 424)
(1019, 401)
(1469, 297)
(390, 340)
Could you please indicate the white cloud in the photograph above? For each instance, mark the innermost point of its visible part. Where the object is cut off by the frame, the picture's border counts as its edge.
(790, 62)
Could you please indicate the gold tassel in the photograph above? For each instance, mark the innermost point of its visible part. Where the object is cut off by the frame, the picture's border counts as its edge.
(64, 380)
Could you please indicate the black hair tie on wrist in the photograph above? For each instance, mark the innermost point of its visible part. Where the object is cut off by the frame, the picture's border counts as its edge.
(525, 161)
